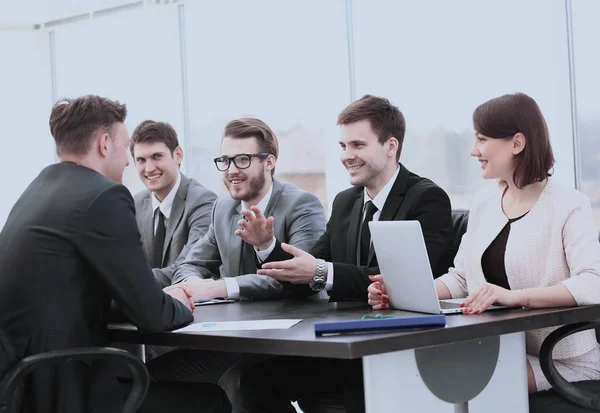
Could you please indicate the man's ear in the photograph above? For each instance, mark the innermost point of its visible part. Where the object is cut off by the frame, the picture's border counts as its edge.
(178, 155)
(392, 146)
(271, 161)
(103, 142)
(519, 143)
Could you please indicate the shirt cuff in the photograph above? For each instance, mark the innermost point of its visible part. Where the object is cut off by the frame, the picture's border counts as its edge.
(233, 288)
(329, 281)
(264, 254)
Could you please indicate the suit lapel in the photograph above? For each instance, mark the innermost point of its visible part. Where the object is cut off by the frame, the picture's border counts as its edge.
(176, 213)
(353, 230)
(275, 194)
(146, 222)
(235, 243)
(395, 197)
(393, 202)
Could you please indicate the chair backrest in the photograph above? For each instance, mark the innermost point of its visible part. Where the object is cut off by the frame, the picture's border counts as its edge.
(7, 360)
(12, 379)
(459, 227)
(460, 219)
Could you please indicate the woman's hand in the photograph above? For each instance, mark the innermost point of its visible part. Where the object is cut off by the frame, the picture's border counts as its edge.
(378, 298)
(490, 294)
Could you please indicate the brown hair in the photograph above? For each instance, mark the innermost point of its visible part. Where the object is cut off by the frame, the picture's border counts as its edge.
(254, 128)
(507, 115)
(386, 119)
(150, 131)
(73, 122)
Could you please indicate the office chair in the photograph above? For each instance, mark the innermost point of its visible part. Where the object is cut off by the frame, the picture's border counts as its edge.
(16, 373)
(564, 397)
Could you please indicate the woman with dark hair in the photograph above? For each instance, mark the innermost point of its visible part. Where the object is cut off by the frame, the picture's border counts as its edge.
(530, 241)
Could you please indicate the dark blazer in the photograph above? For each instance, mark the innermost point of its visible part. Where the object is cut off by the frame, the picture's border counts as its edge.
(188, 222)
(69, 246)
(411, 198)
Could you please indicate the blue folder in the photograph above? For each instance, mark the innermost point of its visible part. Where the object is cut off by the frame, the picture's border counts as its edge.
(379, 324)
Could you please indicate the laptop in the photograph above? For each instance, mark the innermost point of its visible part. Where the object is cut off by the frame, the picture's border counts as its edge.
(404, 264)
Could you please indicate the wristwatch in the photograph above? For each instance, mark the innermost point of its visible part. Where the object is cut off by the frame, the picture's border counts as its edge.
(319, 280)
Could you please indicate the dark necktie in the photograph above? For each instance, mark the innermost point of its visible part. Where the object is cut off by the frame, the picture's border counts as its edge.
(365, 233)
(248, 260)
(159, 240)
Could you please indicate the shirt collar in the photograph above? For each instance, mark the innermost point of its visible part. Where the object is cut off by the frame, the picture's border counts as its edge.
(167, 204)
(381, 197)
(263, 202)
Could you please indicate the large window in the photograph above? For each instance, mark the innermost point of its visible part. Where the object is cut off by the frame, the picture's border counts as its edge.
(133, 57)
(438, 60)
(283, 62)
(25, 101)
(587, 71)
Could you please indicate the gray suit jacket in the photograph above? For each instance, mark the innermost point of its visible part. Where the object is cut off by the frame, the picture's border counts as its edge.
(188, 222)
(299, 221)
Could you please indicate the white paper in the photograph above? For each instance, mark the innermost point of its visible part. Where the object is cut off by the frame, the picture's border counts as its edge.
(239, 325)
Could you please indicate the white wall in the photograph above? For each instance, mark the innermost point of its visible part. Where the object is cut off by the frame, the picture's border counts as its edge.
(132, 57)
(288, 64)
(25, 102)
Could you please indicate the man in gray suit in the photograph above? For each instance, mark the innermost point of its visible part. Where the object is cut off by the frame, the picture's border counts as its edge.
(175, 210)
(249, 153)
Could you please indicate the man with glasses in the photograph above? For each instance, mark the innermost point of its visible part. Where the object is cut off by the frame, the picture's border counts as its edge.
(256, 202)
(247, 225)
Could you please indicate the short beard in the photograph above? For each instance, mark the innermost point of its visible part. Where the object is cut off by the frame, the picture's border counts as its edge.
(256, 185)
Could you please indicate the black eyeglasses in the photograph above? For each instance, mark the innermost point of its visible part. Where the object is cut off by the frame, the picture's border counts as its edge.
(241, 161)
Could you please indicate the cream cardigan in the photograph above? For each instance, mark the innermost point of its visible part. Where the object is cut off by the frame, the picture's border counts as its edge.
(556, 242)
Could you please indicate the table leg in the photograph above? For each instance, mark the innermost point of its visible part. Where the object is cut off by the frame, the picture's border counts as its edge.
(393, 381)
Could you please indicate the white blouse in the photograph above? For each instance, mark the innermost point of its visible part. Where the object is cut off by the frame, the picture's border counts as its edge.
(556, 242)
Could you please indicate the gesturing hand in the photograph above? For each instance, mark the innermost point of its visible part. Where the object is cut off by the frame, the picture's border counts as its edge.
(182, 294)
(378, 298)
(487, 295)
(298, 270)
(256, 229)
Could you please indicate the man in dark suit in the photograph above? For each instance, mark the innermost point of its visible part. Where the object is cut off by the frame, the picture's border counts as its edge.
(69, 246)
(343, 258)
(175, 211)
(224, 262)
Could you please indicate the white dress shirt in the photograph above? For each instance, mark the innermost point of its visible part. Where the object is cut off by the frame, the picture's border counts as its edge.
(233, 288)
(166, 205)
(379, 202)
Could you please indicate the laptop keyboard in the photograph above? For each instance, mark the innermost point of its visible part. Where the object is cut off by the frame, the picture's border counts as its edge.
(445, 305)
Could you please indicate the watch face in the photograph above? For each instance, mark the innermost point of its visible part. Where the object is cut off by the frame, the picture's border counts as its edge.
(317, 285)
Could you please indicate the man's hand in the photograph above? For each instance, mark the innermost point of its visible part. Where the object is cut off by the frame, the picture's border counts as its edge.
(490, 294)
(298, 270)
(206, 289)
(256, 229)
(181, 293)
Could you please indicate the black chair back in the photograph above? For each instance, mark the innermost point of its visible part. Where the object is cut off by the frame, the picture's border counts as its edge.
(12, 377)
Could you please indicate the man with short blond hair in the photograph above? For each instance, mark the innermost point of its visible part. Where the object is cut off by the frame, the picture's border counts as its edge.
(224, 263)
